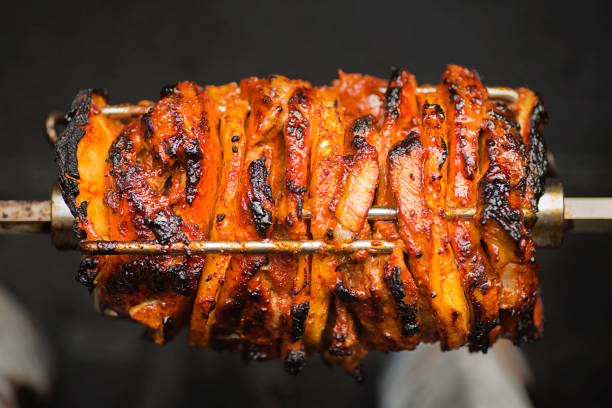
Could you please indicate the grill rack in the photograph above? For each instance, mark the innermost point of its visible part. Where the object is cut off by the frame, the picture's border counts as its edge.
(556, 214)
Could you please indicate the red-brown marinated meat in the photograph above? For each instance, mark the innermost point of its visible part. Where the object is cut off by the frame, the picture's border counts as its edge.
(500, 213)
(532, 118)
(434, 271)
(464, 100)
(392, 286)
(233, 145)
(278, 159)
(325, 173)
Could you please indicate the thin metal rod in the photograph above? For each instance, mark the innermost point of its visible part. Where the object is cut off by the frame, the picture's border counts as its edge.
(588, 214)
(25, 217)
(32, 217)
(126, 111)
(495, 92)
(231, 247)
(37, 211)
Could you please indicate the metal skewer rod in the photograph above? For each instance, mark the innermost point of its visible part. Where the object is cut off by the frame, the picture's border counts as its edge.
(578, 214)
(126, 111)
(556, 216)
(232, 247)
(34, 217)
(588, 214)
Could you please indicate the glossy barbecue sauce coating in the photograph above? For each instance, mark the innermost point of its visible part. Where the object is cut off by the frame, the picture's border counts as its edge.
(247, 161)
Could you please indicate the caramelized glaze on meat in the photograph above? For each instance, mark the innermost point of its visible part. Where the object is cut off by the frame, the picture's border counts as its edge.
(464, 98)
(248, 161)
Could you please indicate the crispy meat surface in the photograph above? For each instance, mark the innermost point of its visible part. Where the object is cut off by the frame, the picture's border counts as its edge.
(464, 98)
(249, 161)
(500, 213)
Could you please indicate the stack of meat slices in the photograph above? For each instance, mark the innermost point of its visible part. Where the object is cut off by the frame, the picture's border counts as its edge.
(247, 161)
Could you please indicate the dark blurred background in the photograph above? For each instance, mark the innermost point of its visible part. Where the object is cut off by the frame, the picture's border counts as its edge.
(52, 49)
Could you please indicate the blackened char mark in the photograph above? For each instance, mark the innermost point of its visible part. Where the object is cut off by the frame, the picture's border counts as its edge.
(502, 114)
(67, 144)
(404, 147)
(435, 113)
(444, 149)
(298, 192)
(526, 329)
(296, 122)
(130, 182)
(498, 185)
(538, 164)
(339, 351)
(169, 90)
(260, 196)
(296, 128)
(193, 168)
(88, 270)
(299, 313)
(408, 312)
(230, 309)
(82, 214)
(194, 173)
(294, 361)
(180, 140)
(147, 125)
(158, 274)
(360, 129)
(116, 155)
(434, 110)
(497, 207)
(181, 278)
(82, 209)
(345, 294)
(166, 227)
(478, 338)
(396, 74)
(392, 101)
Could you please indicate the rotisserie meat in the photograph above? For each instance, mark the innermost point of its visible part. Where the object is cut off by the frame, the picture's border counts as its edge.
(247, 161)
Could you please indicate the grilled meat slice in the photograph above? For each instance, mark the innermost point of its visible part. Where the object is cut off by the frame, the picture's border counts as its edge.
(358, 183)
(302, 111)
(464, 97)
(353, 198)
(325, 174)
(266, 312)
(362, 99)
(434, 136)
(345, 347)
(161, 186)
(435, 273)
(532, 117)
(401, 116)
(391, 285)
(500, 213)
(81, 152)
(227, 213)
